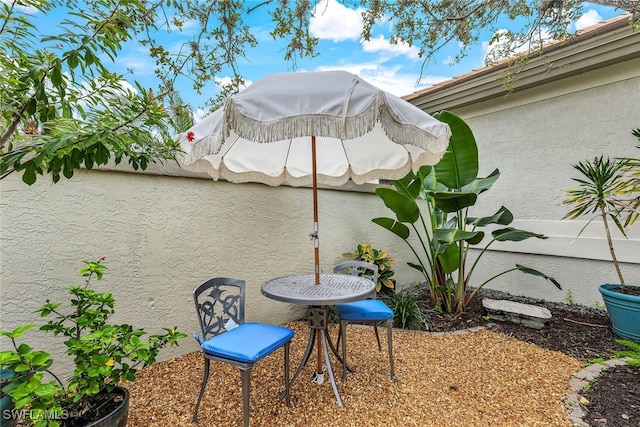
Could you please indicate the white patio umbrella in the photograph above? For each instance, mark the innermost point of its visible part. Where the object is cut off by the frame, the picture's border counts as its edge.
(305, 129)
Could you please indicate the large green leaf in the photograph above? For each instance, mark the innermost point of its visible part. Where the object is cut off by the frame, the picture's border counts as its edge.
(454, 201)
(502, 217)
(405, 208)
(459, 166)
(409, 185)
(534, 272)
(397, 228)
(481, 185)
(510, 234)
(455, 235)
(416, 266)
(450, 258)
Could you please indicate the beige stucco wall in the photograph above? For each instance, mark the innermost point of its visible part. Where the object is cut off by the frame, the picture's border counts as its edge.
(164, 235)
(533, 137)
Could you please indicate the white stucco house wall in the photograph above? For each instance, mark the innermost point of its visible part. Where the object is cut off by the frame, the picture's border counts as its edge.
(164, 231)
(576, 101)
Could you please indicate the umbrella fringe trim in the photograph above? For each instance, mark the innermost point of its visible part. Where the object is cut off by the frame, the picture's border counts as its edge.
(300, 125)
(322, 126)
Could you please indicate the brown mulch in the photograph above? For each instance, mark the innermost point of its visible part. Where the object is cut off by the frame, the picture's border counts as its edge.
(507, 375)
(581, 332)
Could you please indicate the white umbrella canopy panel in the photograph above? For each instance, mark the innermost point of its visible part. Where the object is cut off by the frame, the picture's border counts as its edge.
(305, 129)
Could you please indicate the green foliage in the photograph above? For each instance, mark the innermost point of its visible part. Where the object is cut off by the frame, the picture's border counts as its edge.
(103, 353)
(569, 298)
(597, 360)
(443, 227)
(63, 106)
(26, 384)
(608, 189)
(407, 312)
(599, 305)
(631, 168)
(632, 352)
(367, 253)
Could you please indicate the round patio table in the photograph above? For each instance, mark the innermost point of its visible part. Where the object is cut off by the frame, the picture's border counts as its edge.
(333, 289)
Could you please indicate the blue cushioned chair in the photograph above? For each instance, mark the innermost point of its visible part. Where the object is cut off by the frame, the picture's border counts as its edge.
(226, 338)
(365, 311)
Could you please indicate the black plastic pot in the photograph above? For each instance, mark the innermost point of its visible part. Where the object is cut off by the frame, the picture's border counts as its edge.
(117, 417)
(7, 418)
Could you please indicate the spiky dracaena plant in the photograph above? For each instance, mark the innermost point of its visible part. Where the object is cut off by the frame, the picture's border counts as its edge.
(606, 192)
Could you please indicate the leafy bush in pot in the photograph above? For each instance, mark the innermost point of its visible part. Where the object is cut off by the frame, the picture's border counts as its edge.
(103, 353)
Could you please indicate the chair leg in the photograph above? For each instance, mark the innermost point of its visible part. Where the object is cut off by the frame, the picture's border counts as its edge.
(245, 374)
(287, 388)
(390, 344)
(194, 420)
(343, 336)
(375, 328)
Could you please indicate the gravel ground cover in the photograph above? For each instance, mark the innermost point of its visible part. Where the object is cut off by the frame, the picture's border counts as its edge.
(477, 378)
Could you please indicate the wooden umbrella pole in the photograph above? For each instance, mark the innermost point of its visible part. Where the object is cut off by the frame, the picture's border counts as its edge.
(316, 241)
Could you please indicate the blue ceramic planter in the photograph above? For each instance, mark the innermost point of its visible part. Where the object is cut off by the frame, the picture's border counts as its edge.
(624, 312)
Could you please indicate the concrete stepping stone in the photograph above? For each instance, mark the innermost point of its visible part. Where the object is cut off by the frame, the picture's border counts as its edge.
(528, 315)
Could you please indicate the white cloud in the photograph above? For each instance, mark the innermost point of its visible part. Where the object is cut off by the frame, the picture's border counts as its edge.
(449, 60)
(389, 79)
(504, 45)
(381, 45)
(200, 114)
(591, 17)
(186, 25)
(28, 10)
(221, 81)
(128, 87)
(140, 64)
(333, 21)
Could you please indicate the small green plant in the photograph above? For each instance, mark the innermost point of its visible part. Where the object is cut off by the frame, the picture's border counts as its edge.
(632, 352)
(367, 253)
(599, 305)
(407, 313)
(595, 361)
(569, 298)
(103, 353)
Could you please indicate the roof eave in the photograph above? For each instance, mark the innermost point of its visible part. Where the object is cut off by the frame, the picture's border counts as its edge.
(607, 43)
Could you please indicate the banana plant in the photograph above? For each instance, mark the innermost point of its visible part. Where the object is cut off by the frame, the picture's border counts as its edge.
(431, 215)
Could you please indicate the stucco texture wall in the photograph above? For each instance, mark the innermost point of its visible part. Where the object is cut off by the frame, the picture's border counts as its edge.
(164, 235)
(534, 137)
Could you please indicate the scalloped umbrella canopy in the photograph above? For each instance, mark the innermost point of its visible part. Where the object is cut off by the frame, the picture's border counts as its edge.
(362, 133)
(305, 129)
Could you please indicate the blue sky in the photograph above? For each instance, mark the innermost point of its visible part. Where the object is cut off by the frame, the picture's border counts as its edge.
(392, 68)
